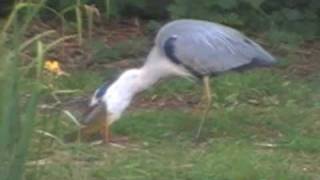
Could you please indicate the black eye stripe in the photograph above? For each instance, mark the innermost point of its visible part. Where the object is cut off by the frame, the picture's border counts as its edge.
(101, 90)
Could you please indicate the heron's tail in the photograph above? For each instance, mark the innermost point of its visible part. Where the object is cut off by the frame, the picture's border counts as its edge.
(264, 58)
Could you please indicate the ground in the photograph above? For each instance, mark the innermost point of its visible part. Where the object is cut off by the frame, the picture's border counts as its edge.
(264, 123)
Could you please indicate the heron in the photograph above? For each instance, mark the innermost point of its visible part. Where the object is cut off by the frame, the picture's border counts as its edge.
(187, 48)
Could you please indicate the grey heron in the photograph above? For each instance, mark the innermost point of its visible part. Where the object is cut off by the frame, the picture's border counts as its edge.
(187, 48)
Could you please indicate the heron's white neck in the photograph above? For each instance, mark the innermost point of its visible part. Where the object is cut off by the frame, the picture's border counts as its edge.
(133, 81)
(130, 82)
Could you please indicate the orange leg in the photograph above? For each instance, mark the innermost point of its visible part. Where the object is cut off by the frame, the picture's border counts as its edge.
(106, 133)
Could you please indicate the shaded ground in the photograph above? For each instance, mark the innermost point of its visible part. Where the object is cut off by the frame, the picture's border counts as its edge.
(308, 62)
(103, 37)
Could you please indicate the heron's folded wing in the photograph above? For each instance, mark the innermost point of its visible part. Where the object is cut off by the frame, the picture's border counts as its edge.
(214, 51)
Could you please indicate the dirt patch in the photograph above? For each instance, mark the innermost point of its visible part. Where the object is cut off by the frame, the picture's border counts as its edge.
(183, 101)
(308, 60)
(73, 55)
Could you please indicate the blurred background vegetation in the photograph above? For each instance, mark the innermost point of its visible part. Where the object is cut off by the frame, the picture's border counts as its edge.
(297, 16)
(94, 39)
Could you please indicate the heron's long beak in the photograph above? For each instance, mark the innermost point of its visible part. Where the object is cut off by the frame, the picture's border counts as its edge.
(98, 119)
(94, 113)
(93, 119)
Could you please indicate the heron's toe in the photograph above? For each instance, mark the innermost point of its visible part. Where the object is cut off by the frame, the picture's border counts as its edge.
(120, 140)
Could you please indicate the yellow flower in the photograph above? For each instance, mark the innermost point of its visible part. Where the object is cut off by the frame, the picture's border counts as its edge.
(54, 67)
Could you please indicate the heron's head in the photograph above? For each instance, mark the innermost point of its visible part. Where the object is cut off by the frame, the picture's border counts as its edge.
(98, 95)
(97, 108)
(114, 98)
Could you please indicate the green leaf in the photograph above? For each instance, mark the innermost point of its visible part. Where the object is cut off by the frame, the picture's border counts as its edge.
(227, 4)
(292, 14)
(255, 3)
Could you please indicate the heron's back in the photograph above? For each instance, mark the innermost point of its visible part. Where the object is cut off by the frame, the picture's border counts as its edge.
(190, 27)
(205, 48)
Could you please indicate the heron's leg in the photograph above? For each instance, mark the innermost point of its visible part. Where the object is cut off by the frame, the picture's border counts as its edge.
(106, 132)
(208, 99)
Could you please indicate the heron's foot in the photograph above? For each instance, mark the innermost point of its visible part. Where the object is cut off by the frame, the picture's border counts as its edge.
(119, 140)
(199, 108)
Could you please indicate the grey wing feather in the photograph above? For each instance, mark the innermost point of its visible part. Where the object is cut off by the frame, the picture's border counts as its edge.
(212, 48)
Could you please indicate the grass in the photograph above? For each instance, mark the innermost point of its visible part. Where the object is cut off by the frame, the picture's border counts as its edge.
(264, 125)
(133, 47)
(221, 158)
